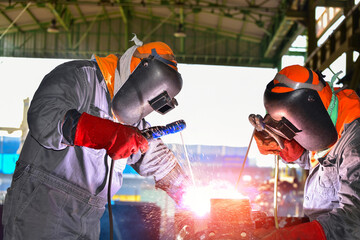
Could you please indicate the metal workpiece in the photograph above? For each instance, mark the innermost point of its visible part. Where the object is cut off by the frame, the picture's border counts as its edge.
(229, 219)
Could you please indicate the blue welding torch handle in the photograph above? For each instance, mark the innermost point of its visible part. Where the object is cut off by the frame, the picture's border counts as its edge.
(160, 131)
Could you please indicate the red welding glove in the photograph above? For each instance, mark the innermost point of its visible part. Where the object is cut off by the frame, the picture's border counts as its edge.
(267, 145)
(120, 141)
(306, 231)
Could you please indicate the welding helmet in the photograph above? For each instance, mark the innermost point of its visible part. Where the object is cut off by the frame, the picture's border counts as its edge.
(152, 85)
(297, 101)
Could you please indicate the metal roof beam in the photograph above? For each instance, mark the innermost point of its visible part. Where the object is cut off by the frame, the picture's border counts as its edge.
(111, 30)
(87, 30)
(158, 3)
(296, 30)
(12, 22)
(279, 29)
(164, 20)
(81, 14)
(105, 12)
(122, 13)
(248, 38)
(126, 25)
(33, 16)
(57, 16)
(332, 3)
(65, 18)
(296, 15)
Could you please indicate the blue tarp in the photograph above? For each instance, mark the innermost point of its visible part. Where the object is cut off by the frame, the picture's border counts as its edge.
(8, 155)
(9, 144)
(227, 156)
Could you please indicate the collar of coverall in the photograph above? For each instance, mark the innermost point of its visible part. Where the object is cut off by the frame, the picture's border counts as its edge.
(107, 67)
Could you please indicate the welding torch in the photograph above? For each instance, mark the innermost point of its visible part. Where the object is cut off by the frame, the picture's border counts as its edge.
(160, 131)
(260, 125)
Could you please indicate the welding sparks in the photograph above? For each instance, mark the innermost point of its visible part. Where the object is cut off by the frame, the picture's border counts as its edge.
(197, 199)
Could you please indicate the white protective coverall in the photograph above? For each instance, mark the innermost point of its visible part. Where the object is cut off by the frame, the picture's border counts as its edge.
(59, 191)
(332, 190)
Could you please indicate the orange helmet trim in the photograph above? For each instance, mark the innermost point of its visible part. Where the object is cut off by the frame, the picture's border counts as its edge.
(144, 51)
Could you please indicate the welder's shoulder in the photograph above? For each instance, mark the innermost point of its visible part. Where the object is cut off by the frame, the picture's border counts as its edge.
(72, 71)
(351, 133)
(73, 65)
(349, 144)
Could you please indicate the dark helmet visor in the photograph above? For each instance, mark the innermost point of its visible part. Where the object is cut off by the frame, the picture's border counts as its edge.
(304, 109)
(152, 86)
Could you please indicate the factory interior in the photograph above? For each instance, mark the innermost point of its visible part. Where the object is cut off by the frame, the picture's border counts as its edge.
(236, 188)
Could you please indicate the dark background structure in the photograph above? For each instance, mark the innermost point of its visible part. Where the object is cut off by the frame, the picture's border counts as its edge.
(254, 33)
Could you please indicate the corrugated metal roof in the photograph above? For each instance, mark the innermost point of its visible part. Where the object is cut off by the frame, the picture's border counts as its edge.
(240, 33)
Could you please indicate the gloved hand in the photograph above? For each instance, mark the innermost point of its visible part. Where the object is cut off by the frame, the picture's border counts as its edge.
(306, 231)
(120, 141)
(174, 184)
(268, 145)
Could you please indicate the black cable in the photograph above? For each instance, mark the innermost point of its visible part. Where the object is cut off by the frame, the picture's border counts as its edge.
(109, 201)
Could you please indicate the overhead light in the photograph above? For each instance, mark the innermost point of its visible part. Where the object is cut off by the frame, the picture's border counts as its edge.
(180, 32)
(53, 28)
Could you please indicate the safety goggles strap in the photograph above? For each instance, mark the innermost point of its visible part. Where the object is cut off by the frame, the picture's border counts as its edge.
(158, 57)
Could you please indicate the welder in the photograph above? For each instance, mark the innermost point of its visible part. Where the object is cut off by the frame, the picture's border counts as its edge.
(319, 128)
(85, 114)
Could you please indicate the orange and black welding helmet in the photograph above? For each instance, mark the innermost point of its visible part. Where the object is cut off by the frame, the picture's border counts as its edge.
(297, 101)
(152, 85)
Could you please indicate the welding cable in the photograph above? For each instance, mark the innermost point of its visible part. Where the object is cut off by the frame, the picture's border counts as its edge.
(243, 165)
(109, 198)
(157, 132)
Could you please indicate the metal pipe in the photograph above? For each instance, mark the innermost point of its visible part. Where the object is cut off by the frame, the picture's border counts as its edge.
(13, 22)
(243, 165)
(275, 191)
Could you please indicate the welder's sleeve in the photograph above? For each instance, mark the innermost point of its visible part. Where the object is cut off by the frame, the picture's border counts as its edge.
(160, 162)
(120, 141)
(157, 162)
(61, 90)
(343, 222)
(306, 231)
(168, 174)
(174, 184)
(158, 159)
